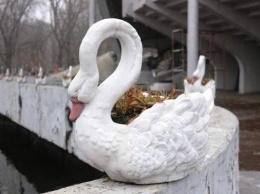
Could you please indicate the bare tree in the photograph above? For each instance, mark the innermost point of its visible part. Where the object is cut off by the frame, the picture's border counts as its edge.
(65, 14)
(12, 13)
(32, 44)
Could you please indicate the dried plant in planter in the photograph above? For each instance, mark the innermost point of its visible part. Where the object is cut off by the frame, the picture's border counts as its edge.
(135, 101)
(203, 82)
(65, 76)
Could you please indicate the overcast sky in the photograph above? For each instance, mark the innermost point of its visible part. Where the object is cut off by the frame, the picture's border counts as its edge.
(42, 13)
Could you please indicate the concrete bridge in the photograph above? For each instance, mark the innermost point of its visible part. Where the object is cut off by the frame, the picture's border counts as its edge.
(237, 21)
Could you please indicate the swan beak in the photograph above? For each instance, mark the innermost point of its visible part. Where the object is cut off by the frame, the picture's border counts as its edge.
(193, 79)
(76, 110)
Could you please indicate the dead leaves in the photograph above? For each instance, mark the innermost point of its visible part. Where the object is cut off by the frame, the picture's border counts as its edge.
(203, 82)
(135, 101)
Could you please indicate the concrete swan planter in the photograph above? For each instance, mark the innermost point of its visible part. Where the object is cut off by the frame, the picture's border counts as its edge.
(165, 143)
(195, 85)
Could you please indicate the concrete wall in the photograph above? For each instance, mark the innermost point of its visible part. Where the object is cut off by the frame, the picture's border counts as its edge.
(42, 109)
(248, 59)
(227, 74)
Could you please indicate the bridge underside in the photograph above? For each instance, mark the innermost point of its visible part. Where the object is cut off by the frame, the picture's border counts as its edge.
(236, 21)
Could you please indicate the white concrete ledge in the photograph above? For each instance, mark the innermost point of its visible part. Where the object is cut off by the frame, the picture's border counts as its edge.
(218, 174)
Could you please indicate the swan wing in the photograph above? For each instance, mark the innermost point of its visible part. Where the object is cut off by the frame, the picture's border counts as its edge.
(171, 137)
(211, 85)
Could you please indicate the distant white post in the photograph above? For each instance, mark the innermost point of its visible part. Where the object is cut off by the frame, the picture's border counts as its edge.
(192, 36)
(92, 12)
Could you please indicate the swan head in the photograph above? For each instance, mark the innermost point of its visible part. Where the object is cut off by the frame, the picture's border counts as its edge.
(82, 90)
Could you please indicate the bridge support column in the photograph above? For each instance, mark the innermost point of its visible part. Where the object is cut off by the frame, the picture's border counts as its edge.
(92, 12)
(192, 36)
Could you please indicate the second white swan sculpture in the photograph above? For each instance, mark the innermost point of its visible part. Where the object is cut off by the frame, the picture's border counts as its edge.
(197, 77)
(165, 143)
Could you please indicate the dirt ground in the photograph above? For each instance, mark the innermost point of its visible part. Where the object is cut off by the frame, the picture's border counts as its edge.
(247, 108)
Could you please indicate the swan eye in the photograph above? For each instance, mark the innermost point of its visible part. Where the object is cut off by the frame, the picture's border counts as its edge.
(74, 100)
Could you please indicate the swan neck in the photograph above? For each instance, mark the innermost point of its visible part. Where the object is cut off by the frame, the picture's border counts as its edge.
(129, 67)
(201, 72)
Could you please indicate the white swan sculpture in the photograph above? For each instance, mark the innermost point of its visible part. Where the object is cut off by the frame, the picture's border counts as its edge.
(21, 78)
(40, 78)
(67, 79)
(197, 77)
(8, 76)
(165, 143)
